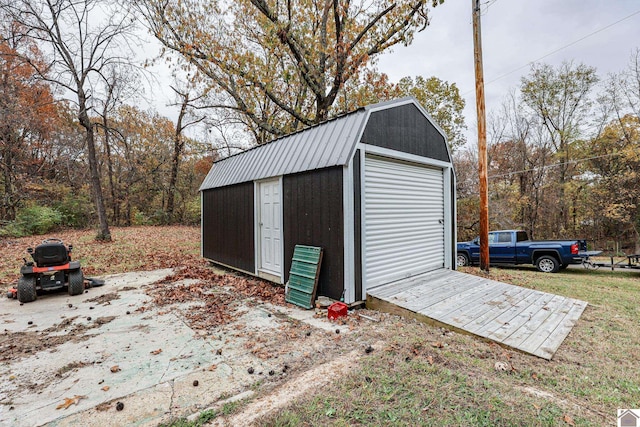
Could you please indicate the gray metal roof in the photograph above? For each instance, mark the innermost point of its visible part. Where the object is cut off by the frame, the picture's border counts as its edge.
(327, 144)
(331, 143)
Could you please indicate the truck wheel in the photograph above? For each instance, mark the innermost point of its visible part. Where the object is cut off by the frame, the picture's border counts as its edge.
(27, 289)
(76, 282)
(462, 259)
(547, 264)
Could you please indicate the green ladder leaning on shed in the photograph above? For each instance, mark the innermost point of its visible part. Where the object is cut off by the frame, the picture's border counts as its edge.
(303, 277)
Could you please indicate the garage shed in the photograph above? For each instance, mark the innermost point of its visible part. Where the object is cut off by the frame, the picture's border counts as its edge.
(374, 188)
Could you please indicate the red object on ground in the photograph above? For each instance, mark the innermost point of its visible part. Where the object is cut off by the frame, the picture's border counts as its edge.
(337, 309)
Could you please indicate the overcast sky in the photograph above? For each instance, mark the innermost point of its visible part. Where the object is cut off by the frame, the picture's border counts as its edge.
(515, 33)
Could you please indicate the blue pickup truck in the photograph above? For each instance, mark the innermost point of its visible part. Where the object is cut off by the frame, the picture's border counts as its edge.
(514, 247)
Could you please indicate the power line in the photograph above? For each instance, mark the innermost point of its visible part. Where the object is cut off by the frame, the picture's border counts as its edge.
(558, 49)
(554, 165)
(487, 4)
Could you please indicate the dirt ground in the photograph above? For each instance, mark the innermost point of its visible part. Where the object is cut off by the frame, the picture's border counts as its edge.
(149, 347)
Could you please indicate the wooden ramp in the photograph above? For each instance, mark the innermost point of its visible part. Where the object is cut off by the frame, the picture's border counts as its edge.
(531, 321)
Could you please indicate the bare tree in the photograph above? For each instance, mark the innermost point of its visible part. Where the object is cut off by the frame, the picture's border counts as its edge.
(80, 47)
(185, 120)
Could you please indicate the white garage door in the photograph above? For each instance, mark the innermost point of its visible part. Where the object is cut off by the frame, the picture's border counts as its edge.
(404, 220)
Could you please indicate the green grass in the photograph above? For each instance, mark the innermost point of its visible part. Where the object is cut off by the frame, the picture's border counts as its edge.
(205, 416)
(202, 420)
(413, 383)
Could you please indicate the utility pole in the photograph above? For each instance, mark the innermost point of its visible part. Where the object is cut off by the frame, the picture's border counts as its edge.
(482, 139)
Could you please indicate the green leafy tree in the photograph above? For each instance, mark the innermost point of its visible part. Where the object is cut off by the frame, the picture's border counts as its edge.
(442, 101)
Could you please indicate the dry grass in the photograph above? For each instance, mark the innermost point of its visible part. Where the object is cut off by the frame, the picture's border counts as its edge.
(132, 249)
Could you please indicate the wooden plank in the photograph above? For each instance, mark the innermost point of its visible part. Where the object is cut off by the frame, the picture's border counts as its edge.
(545, 340)
(552, 343)
(402, 285)
(444, 292)
(528, 320)
(500, 327)
(456, 300)
(421, 289)
(505, 313)
(540, 315)
(428, 299)
(433, 279)
(497, 307)
(528, 310)
(494, 296)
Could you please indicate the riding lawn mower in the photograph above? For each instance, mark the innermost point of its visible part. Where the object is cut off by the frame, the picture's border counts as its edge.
(51, 268)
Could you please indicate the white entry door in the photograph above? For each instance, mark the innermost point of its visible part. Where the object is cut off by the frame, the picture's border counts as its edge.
(270, 227)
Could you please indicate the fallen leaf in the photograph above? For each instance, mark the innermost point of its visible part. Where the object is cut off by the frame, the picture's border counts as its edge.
(213, 367)
(68, 401)
(534, 376)
(115, 369)
(430, 360)
(567, 419)
(155, 352)
(437, 344)
(105, 388)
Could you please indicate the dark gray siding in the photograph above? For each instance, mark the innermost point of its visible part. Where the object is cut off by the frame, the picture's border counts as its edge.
(405, 129)
(313, 215)
(228, 226)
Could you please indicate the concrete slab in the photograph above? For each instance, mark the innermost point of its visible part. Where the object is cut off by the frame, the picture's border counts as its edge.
(112, 344)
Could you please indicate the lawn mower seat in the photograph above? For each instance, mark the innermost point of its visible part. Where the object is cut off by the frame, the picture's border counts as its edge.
(50, 254)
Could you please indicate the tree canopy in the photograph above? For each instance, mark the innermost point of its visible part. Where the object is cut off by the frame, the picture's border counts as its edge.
(283, 64)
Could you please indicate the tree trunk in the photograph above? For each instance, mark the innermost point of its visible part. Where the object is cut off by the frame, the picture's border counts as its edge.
(103, 234)
(8, 202)
(107, 149)
(178, 145)
(175, 162)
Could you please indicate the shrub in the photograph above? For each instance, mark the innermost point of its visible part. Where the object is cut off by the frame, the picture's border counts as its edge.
(76, 209)
(32, 220)
(192, 212)
(38, 219)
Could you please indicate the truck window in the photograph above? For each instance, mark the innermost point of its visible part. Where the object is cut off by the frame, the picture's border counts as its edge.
(504, 237)
(493, 238)
(521, 236)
